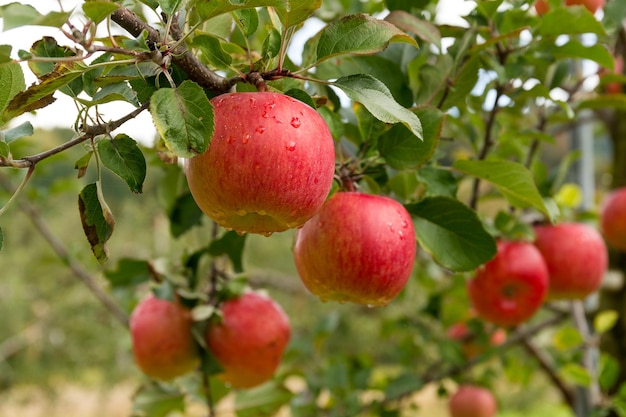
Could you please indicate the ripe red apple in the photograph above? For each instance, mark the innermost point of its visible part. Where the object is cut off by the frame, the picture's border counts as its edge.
(613, 87)
(542, 6)
(358, 248)
(250, 339)
(613, 219)
(472, 401)
(511, 287)
(470, 344)
(269, 166)
(576, 257)
(163, 345)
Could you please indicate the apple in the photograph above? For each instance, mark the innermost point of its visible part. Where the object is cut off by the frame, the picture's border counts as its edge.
(472, 346)
(472, 401)
(511, 287)
(613, 219)
(269, 166)
(359, 248)
(613, 87)
(163, 345)
(542, 6)
(250, 339)
(576, 257)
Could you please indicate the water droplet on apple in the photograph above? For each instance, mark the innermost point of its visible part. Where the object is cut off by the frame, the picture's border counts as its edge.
(266, 234)
(391, 229)
(231, 139)
(291, 146)
(252, 102)
(260, 129)
(405, 224)
(401, 234)
(242, 212)
(262, 213)
(295, 122)
(246, 138)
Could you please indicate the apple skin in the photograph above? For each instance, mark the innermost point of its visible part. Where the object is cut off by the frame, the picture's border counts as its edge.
(542, 6)
(358, 248)
(512, 286)
(613, 219)
(163, 345)
(472, 401)
(576, 256)
(470, 346)
(250, 339)
(269, 166)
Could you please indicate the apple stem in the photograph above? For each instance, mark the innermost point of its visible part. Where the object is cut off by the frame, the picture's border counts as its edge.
(257, 80)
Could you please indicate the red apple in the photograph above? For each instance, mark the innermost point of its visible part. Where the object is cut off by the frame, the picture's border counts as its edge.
(358, 248)
(613, 87)
(163, 345)
(576, 257)
(613, 219)
(472, 401)
(470, 344)
(542, 6)
(250, 339)
(269, 166)
(512, 286)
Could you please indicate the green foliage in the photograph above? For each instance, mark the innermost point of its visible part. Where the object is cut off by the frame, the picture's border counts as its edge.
(460, 123)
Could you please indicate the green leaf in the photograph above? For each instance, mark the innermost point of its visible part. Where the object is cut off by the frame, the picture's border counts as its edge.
(262, 401)
(248, 20)
(423, 29)
(97, 220)
(464, 82)
(605, 320)
(129, 272)
(122, 156)
(401, 385)
(5, 150)
(209, 9)
(11, 83)
(184, 118)
(567, 338)
(158, 400)
(608, 371)
(184, 214)
(574, 48)
(512, 179)
(211, 48)
(358, 34)
(569, 21)
(452, 233)
(40, 95)
(170, 7)
(403, 150)
(297, 12)
(439, 182)
(5, 54)
(375, 96)
(1, 239)
(16, 14)
(603, 101)
(83, 163)
(20, 131)
(232, 245)
(575, 374)
(97, 11)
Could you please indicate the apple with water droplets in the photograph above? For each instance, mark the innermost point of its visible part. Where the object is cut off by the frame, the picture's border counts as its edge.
(576, 257)
(163, 345)
(358, 248)
(249, 340)
(472, 401)
(269, 166)
(511, 287)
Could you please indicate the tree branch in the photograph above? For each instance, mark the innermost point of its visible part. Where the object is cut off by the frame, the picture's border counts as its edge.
(181, 56)
(57, 246)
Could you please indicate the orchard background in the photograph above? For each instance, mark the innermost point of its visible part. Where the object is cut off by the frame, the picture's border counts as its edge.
(479, 128)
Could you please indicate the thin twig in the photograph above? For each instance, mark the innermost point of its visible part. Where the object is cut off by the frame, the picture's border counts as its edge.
(544, 362)
(57, 246)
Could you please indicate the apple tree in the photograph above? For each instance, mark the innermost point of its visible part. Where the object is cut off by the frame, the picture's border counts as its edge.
(413, 163)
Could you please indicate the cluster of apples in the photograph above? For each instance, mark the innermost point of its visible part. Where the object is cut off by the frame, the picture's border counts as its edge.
(270, 167)
(248, 340)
